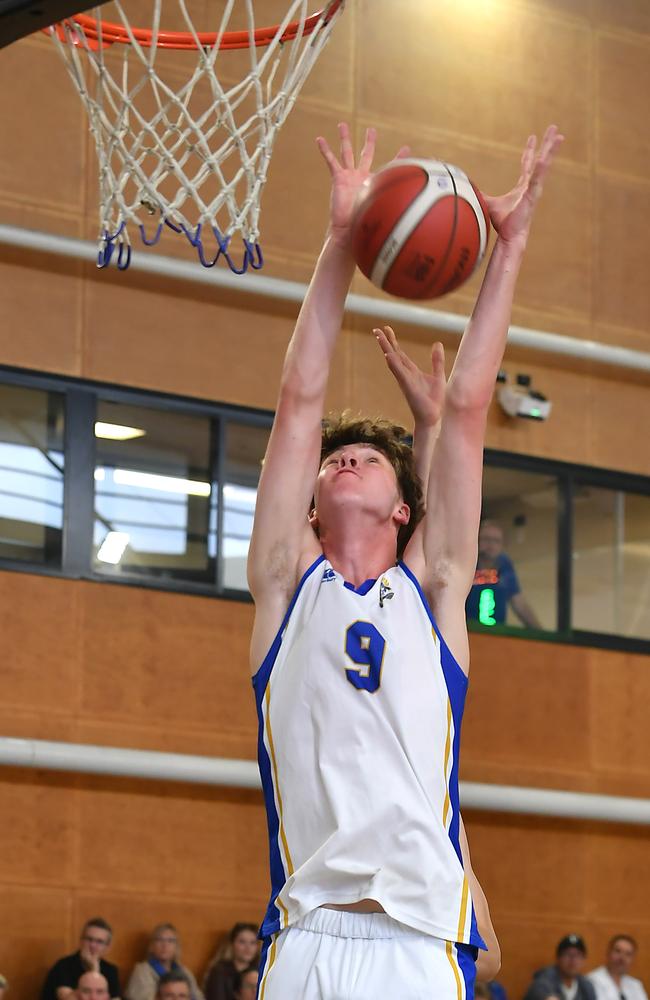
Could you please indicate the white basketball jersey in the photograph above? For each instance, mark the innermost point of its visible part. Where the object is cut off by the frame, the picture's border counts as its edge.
(359, 704)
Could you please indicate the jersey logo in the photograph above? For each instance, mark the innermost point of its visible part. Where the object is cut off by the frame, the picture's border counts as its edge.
(328, 576)
(385, 592)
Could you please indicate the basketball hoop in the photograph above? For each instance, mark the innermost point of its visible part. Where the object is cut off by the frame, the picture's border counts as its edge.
(191, 157)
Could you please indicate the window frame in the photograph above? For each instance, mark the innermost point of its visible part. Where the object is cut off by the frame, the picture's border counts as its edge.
(80, 407)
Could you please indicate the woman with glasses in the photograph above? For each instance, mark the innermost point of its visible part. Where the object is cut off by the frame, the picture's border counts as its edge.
(163, 956)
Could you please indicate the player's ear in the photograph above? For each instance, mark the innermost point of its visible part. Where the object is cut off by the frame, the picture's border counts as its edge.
(313, 519)
(403, 514)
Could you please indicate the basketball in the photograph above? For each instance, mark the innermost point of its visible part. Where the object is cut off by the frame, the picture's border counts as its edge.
(421, 228)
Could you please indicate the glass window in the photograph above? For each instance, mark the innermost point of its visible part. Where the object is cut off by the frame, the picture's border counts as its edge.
(154, 493)
(611, 562)
(516, 575)
(245, 448)
(31, 463)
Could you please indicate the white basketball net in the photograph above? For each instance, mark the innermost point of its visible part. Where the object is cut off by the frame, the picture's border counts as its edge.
(193, 156)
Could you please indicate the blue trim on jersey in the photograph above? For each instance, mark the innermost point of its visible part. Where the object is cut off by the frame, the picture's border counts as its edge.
(456, 681)
(263, 957)
(271, 922)
(466, 955)
(363, 588)
(278, 874)
(457, 688)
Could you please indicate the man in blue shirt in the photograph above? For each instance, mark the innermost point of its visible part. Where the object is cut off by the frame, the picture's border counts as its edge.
(495, 583)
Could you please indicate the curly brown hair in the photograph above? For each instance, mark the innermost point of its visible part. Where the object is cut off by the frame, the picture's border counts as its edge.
(389, 438)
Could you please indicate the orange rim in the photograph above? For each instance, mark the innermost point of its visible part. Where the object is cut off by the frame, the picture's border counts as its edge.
(106, 33)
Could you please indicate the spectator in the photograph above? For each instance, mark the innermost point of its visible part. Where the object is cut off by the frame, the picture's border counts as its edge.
(245, 984)
(235, 955)
(173, 986)
(495, 583)
(563, 981)
(612, 980)
(62, 979)
(92, 986)
(163, 956)
(4, 985)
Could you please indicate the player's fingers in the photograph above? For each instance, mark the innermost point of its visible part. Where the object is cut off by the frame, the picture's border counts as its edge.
(333, 164)
(552, 142)
(402, 153)
(347, 153)
(383, 341)
(391, 336)
(367, 153)
(528, 159)
(438, 360)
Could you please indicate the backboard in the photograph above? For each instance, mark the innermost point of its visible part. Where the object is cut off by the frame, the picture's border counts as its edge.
(22, 17)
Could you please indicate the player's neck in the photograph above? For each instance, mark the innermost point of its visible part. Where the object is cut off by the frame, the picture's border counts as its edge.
(360, 551)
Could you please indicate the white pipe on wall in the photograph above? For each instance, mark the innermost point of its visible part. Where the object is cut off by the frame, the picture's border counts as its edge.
(157, 766)
(380, 310)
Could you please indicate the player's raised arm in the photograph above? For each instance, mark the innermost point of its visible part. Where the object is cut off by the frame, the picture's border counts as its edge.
(453, 495)
(282, 542)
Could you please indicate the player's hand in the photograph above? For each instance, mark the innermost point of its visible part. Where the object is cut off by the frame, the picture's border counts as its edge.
(348, 177)
(511, 214)
(424, 391)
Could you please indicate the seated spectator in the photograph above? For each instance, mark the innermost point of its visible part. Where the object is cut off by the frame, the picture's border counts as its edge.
(612, 981)
(236, 954)
(62, 979)
(245, 984)
(92, 986)
(564, 979)
(163, 955)
(495, 583)
(173, 986)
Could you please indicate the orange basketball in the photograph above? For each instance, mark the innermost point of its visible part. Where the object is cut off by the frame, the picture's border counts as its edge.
(421, 228)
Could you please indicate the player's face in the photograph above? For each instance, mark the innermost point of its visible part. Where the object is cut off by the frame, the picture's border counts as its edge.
(620, 958)
(357, 476)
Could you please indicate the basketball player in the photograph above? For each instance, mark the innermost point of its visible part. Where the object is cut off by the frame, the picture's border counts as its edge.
(359, 648)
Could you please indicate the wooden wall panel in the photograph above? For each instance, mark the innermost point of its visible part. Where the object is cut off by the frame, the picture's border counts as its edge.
(48, 653)
(41, 307)
(451, 53)
(32, 173)
(622, 294)
(36, 928)
(623, 87)
(126, 667)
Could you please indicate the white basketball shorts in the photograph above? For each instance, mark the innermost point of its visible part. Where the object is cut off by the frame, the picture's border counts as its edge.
(335, 955)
